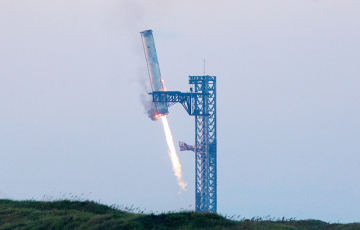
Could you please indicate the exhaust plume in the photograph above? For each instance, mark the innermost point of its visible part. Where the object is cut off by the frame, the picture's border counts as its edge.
(152, 112)
(172, 153)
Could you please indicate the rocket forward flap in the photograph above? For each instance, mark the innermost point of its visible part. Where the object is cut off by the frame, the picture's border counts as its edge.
(157, 84)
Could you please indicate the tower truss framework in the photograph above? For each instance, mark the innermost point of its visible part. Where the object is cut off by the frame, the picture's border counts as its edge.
(205, 143)
(202, 104)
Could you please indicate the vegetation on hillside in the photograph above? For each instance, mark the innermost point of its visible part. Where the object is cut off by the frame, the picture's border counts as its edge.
(66, 214)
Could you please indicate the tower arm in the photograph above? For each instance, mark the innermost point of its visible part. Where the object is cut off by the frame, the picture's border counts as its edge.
(173, 97)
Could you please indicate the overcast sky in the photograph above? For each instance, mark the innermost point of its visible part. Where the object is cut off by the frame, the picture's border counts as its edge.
(288, 103)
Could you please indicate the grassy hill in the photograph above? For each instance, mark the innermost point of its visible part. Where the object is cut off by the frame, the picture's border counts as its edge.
(66, 214)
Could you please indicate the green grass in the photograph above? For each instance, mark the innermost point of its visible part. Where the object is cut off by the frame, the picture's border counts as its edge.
(66, 214)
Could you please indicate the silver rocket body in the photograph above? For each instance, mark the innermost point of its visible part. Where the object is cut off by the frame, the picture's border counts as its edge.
(153, 68)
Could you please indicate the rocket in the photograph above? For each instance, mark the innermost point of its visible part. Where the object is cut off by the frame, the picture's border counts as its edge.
(154, 69)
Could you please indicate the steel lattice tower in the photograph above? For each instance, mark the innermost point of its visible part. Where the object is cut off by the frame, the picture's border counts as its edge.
(205, 143)
(202, 105)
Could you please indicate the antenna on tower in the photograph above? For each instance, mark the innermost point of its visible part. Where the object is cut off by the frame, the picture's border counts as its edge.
(204, 68)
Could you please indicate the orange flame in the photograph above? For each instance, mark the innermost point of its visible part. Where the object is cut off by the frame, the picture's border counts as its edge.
(163, 84)
(172, 153)
(157, 115)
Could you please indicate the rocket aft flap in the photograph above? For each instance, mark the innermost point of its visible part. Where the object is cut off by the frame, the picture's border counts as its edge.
(154, 69)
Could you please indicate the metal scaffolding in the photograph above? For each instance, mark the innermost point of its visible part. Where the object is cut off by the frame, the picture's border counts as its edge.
(202, 104)
(205, 143)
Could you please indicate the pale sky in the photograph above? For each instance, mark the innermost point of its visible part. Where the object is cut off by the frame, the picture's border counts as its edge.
(288, 76)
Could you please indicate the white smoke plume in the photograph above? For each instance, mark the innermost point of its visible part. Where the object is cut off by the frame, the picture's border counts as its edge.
(145, 98)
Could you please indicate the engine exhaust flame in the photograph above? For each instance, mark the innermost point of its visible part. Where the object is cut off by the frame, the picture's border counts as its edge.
(172, 153)
(156, 116)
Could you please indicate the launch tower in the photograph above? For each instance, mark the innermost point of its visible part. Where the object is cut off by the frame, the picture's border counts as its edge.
(200, 103)
(205, 143)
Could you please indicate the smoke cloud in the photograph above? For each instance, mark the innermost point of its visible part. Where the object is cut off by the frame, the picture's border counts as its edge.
(149, 106)
(145, 98)
(132, 15)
